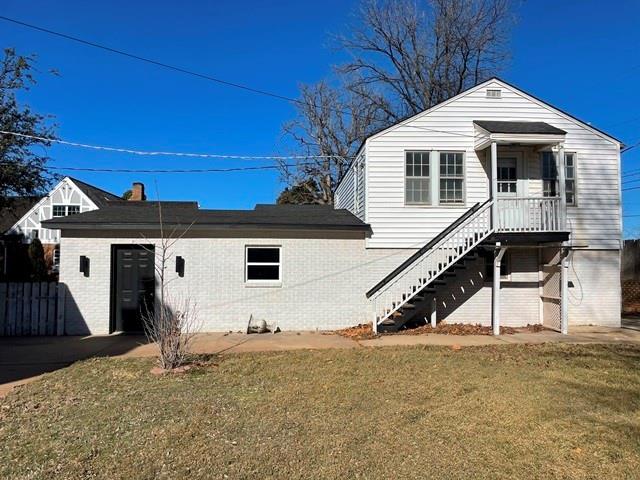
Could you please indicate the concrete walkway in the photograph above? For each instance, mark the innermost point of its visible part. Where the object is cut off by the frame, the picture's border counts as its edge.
(24, 359)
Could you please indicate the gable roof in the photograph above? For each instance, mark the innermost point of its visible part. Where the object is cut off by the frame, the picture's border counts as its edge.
(466, 92)
(100, 197)
(145, 215)
(481, 85)
(14, 209)
(518, 127)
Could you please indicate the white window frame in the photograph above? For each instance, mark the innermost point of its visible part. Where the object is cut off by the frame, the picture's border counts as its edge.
(247, 264)
(429, 178)
(463, 201)
(66, 209)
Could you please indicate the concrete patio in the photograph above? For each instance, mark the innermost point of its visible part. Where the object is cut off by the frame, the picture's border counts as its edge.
(23, 359)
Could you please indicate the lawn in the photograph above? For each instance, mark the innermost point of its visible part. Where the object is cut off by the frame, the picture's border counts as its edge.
(551, 411)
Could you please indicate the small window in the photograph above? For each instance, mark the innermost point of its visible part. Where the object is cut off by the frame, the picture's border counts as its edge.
(263, 264)
(451, 178)
(417, 178)
(59, 210)
(64, 210)
(494, 93)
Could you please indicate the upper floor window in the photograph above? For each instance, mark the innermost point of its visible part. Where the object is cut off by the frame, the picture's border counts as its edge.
(64, 210)
(550, 176)
(451, 178)
(417, 178)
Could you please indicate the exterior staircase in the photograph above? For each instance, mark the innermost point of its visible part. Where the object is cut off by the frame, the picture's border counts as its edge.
(402, 294)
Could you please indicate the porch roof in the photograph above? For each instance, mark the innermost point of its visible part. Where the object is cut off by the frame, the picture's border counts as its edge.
(506, 132)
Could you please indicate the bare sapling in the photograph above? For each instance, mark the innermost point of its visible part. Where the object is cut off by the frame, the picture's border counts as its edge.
(171, 322)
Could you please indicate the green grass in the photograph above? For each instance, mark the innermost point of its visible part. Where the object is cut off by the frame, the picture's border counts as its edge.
(551, 411)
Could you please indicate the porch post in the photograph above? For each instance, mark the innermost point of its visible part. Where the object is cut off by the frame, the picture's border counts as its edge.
(495, 299)
(494, 185)
(560, 164)
(564, 291)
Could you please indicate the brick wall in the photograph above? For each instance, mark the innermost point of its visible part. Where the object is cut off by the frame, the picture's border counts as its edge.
(324, 284)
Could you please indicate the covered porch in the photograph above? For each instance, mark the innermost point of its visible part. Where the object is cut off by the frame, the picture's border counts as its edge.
(527, 169)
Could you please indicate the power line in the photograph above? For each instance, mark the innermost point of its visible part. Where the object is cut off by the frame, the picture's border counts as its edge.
(172, 154)
(180, 170)
(200, 75)
(629, 148)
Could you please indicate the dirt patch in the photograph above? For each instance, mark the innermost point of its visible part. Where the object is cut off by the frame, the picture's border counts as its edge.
(365, 332)
(362, 331)
(466, 329)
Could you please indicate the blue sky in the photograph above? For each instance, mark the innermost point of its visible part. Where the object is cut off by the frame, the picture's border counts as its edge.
(577, 55)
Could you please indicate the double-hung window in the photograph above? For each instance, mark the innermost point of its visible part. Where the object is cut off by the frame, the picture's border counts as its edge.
(64, 210)
(550, 176)
(451, 178)
(417, 178)
(263, 264)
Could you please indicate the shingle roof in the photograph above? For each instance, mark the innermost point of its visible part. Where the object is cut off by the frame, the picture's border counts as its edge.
(13, 210)
(492, 126)
(100, 197)
(146, 214)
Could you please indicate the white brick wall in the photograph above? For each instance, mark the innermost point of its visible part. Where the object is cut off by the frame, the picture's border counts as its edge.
(324, 285)
(467, 297)
(595, 297)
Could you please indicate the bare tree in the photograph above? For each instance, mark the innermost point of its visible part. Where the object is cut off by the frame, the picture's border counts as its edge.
(172, 322)
(330, 125)
(415, 56)
(405, 57)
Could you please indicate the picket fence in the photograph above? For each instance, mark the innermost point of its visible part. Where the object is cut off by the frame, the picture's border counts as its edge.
(30, 309)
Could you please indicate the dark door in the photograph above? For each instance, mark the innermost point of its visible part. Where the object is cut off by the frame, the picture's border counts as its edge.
(133, 286)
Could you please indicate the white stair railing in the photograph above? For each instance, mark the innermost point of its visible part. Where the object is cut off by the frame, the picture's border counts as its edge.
(421, 269)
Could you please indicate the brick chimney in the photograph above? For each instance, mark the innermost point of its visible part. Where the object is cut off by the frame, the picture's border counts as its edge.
(137, 192)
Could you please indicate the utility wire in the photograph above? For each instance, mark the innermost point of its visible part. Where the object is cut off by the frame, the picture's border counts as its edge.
(200, 75)
(172, 154)
(180, 170)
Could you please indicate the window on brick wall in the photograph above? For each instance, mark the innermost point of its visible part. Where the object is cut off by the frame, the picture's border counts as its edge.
(263, 264)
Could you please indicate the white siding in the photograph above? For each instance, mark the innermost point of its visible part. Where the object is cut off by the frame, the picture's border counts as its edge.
(65, 193)
(594, 222)
(351, 193)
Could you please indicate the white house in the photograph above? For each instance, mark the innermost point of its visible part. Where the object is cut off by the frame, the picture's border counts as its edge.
(493, 207)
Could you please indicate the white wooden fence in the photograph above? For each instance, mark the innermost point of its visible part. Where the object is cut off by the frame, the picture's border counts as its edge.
(29, 309)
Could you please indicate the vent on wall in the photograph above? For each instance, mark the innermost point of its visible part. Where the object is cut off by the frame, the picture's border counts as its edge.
(494, 93)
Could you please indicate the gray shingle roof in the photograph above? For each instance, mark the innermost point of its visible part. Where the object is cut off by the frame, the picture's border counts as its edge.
(98, 196)
(143, 215)
(492, 126)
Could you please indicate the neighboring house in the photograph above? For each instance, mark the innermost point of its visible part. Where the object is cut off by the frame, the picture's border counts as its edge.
(492, 207)
(69, 197)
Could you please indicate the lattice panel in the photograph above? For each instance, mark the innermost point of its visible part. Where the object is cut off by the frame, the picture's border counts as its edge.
(551, 307)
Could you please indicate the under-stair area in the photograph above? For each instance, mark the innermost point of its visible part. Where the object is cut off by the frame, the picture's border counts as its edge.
(408, 291)
(419, 310)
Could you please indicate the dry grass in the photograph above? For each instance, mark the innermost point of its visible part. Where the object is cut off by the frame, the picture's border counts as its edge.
(551, 411)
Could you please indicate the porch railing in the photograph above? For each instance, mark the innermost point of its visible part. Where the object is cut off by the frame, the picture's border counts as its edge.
(529, 214)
